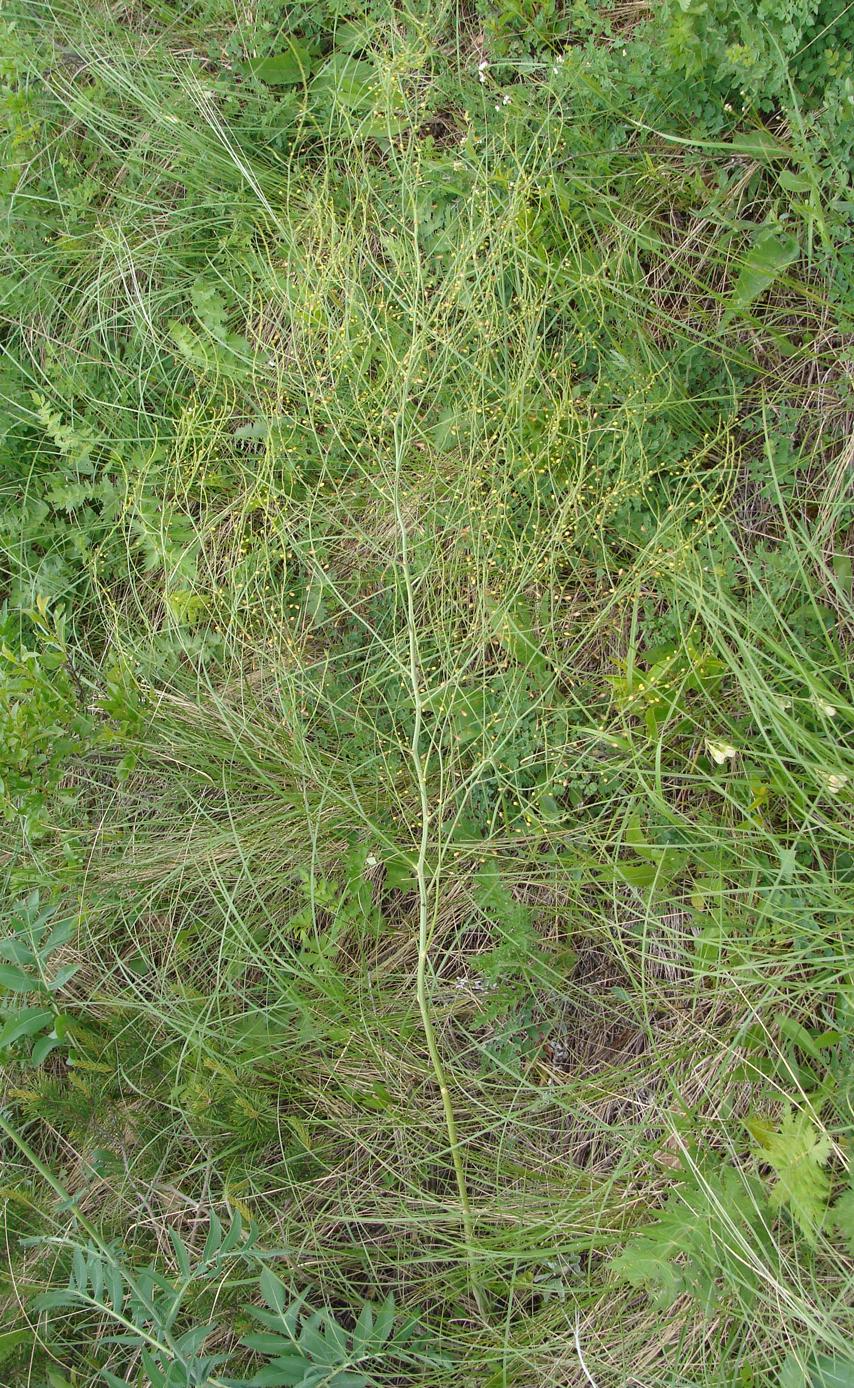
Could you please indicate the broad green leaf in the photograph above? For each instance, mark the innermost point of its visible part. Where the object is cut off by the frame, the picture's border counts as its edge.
(57, 1380)
(832, 1373)
(791, 1374)
(63, 976)
(182, 1257)
(363, 1329)
(192, 1340)
(273, 1291)
(16, 951)
(400, 872)
(155, 1375)
(60, 935)
(116, 1287)
(79, 1270)
(313, 1341)
(798, 1034)
(28, 1022)
(767, 258)
(11, 1339)
(235, 1229)
(17, 981)
(384, 1321)
(43, 1048)
(268, 1343)
(214, 1238)
(282, 1373)
(50, 1301)
(760, 144)
(549, 807)
(285, 69)
(795, 182)
(337, 1338)
(352, 81)
(513, 628)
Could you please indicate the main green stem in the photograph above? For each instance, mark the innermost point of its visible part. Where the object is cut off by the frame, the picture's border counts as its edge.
(421, 989)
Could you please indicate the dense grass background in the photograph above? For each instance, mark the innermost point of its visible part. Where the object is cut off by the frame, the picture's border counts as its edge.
(425, 695)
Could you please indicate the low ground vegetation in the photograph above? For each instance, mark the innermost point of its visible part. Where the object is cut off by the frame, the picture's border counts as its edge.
(425, 697)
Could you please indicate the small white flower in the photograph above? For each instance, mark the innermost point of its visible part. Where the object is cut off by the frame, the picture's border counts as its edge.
(719, 752)
(371, 861)
(823, 706)
(482, 66)
(833, 781)
(505, 100)
(481, 77)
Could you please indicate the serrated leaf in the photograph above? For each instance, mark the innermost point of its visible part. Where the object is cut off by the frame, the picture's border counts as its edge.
(313, 1341)
(843, 1218)
(52, 1301)
(797, 1152)
(337, 1338)
(79, 1271)
(272, 1290)
(691, 1245)
(116, 1288)
(96, 1275)
(11, 1339)
(156, 1376)
(650, 1259)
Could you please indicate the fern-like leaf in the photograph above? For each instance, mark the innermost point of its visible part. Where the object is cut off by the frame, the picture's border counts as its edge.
(797, 1153)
